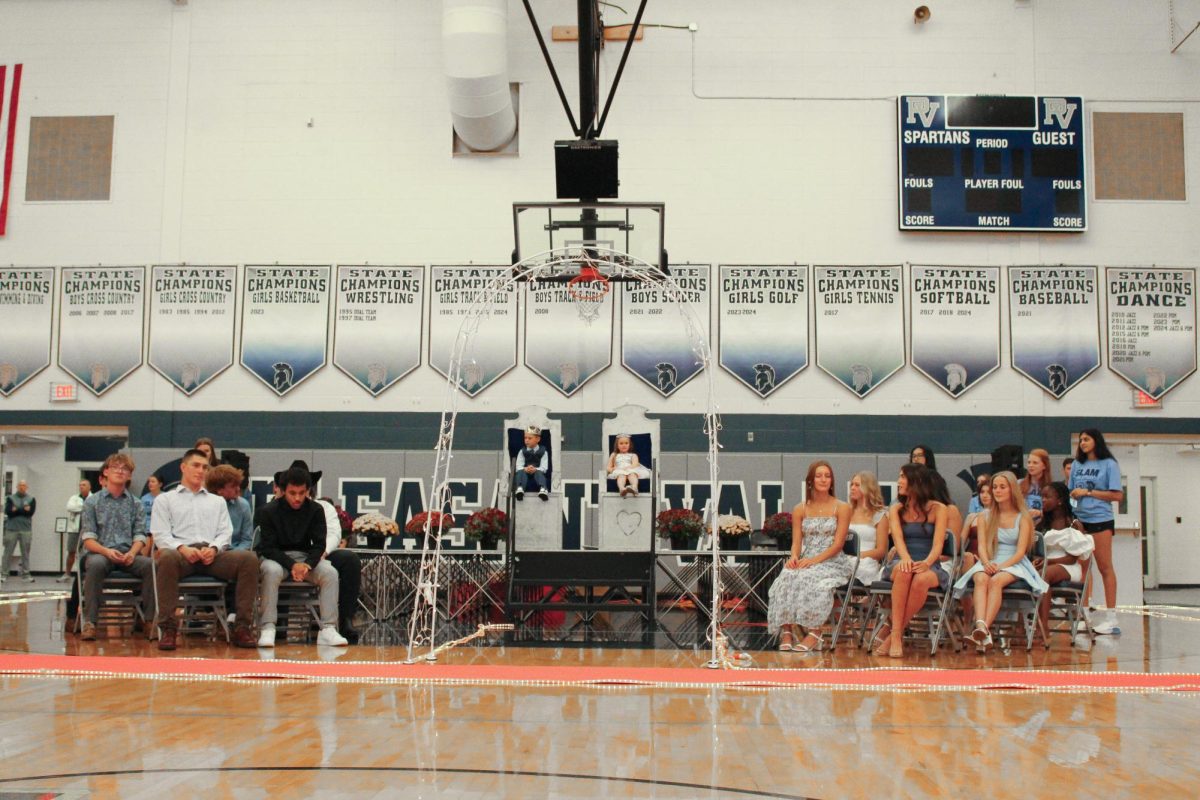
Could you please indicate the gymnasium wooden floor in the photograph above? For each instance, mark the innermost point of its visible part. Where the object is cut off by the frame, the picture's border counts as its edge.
(148, 737)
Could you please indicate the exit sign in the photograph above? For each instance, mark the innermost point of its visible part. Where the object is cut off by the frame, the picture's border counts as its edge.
(1143, 400)
(64, 392)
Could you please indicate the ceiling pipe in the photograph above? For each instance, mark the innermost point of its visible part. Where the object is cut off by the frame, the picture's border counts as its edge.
(475, 52)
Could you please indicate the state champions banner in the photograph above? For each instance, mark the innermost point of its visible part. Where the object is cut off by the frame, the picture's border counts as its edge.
(27, 308)
(100, 324)
(561, 348)
(285, 323)
(491, 350)
(655, 344)
(860, 324)
(192, 317)
(377, 335)
(955, 324)
(762, 324)
(1054, 325)
(1152, 327)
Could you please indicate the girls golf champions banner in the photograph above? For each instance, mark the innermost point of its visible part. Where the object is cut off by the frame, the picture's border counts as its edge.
(491, 348)
(100, 325)
(27, 308)
(955, 324)
(1152, 327)
(1054, 325)
(191, 323)
(655, 343)
(285, 324)
(378, 335)
(564, 349)
(762, 327)
(860, 324)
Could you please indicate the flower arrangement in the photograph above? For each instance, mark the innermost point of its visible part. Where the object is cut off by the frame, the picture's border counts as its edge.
(778, 525)
(416, 525)
(733, 525)
(373, 523)
(486, 525)
(679, 523)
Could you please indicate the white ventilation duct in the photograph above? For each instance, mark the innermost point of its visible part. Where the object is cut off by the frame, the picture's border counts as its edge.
(475, 45)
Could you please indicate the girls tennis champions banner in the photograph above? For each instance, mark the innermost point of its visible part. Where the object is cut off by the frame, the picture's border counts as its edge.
(377, 336)
(285, 323)
(762, 324)
(562, 347)
(955, 324)
(100, 324)
(490, 346)
(27, 308)
(1054, 325)
(1152, 327)
(192, 314)
(655, 343)
(860, 324)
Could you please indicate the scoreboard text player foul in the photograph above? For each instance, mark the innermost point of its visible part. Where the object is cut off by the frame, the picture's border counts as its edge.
(974, 162)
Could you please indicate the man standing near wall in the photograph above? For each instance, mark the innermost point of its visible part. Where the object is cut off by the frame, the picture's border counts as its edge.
(74, 515)
(19, 507)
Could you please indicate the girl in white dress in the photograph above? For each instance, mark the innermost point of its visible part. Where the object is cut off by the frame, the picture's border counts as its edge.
(869, 520)
(1068, 549)
(623, 465)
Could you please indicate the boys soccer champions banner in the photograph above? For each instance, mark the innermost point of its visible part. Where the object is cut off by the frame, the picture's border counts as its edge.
(491, 349)
(955, 324)
(27, 308)
(285, 323)
(378, 335)
(561, 347)
(100, 324)
(762, 328)
(191, 323)
(860, 324)
(1054, 325)
(1152, 327)
(655, 343)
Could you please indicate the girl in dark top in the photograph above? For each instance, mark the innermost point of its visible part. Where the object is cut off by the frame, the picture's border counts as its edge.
(922, 454)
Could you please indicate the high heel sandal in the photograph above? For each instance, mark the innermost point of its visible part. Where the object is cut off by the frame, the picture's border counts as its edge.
(785, 642)
(885, 632)
(814, 648)
(981, 637)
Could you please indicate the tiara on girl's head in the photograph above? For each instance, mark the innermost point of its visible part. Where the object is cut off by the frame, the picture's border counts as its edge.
(623, 436)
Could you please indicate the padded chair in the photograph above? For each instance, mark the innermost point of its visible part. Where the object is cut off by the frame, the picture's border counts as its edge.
(202, 600)
(936, 612)
(644, 434)
(120, 598)
(535, 525)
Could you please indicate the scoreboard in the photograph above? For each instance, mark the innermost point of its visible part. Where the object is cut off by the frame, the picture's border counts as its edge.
(980, 162)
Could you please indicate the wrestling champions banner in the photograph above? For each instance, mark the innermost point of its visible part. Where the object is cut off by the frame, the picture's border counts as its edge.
(491, 349)
(1054, 325)
(762, 324)
(563, 349)
(955, 324)
(191, 323)
(655, 344)
(285, 323)
(100, 324)
(1152, 327)
(377, 335)
(27, 308)
(860, 324)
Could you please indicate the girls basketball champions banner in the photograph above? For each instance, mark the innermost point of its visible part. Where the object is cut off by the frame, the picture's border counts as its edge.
(1152, 327)
(762, 324)
(285, 323)
(655, 343)
(27, 308)
(490, 346)
(1054, 325)
(955, 324)
(192, 312)
(377, 336)
(561, 346)
(860, 324)
(100, 324)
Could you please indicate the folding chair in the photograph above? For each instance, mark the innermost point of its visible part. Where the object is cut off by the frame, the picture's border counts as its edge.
(299, 607)
(202, 601)
(1072, 609)
(1019, 604)
(120, 598)
(847, 595)
(935, 614)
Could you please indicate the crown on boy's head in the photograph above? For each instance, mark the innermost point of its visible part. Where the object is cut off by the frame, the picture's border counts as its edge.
(533, 430)
(623, 436)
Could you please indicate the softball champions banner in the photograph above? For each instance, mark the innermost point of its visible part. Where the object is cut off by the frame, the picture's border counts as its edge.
(955, 326)
(655, 344)
(100, 325)
(762, 329)
(1152, 327)
(492, 349)
(563, 349)
(1054, 325)
(860, 324)
(27, 308)
(377, 339)
(191, 323)
(285, 324)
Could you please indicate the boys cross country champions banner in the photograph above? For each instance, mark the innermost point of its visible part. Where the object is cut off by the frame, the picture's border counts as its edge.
(100, 324)
(1054, 325)
(285, 324)
(27, 308)
(762, 329)
(860, 324)
(1152, 327)
(490, 349)
(563, 349)
(655, 344)
(191, 323)
(955, 324)
(377, 335)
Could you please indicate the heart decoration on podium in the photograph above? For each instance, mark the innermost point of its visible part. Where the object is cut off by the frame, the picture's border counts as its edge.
(629, 522)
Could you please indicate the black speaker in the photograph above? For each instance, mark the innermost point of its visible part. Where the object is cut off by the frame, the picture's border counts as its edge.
(1010, 457)
(585, 169)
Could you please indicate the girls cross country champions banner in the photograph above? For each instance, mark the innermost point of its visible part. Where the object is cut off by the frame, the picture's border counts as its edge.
(192, 312)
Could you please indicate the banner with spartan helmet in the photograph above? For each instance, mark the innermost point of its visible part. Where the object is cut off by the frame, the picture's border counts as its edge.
(377, 335)
(27, 308)
(1152, 327)
(285, 323)
(489, 347)
(955, 324)
(762, 324)
(658, 331)
(564, 345)
(192, 316)
(860, 324)
(100, 324)
(1054, 325)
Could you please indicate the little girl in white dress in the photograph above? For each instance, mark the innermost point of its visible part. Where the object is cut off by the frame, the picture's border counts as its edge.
(623, 465)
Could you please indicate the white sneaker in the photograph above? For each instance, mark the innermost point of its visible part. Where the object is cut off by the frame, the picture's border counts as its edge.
(329, 637)
(1107, 625)
(66, 576)
(266, 636)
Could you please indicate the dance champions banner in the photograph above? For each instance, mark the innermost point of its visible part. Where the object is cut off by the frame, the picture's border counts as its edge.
(27, 308)
(1054, 325)
(564, 349)
(100, 325)
(762, 327)
(377, 336)
(1152, 327)
(955, 324)
(860, 324)
(285, 324)
(192, 312)
(491, 349)
(655, 343)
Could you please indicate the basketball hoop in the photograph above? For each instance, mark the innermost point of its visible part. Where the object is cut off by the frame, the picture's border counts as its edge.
(588, 290)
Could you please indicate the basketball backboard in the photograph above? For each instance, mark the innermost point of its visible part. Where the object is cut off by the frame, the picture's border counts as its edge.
(632, 228)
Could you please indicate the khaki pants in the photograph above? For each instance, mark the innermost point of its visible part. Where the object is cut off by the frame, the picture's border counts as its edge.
(230, 565)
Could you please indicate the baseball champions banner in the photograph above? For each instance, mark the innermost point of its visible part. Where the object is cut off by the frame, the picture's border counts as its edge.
(762, 329)
(285, 323)
(1152, 327)
(100, 324)
(27, 308)
(955, 324)
(1054, 325)
(561, 346)
(655, 343)
(377, 336)
(491, 348)
(191, 323)
(860, 324)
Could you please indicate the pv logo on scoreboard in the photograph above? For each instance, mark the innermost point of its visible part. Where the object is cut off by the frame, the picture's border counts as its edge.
(922, 108)
(1059, 111)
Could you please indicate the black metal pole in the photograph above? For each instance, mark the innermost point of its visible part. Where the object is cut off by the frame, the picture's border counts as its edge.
(589, 101)
(621, 67)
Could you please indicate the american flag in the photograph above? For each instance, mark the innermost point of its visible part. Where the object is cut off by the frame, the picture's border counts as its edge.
(10, 88)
